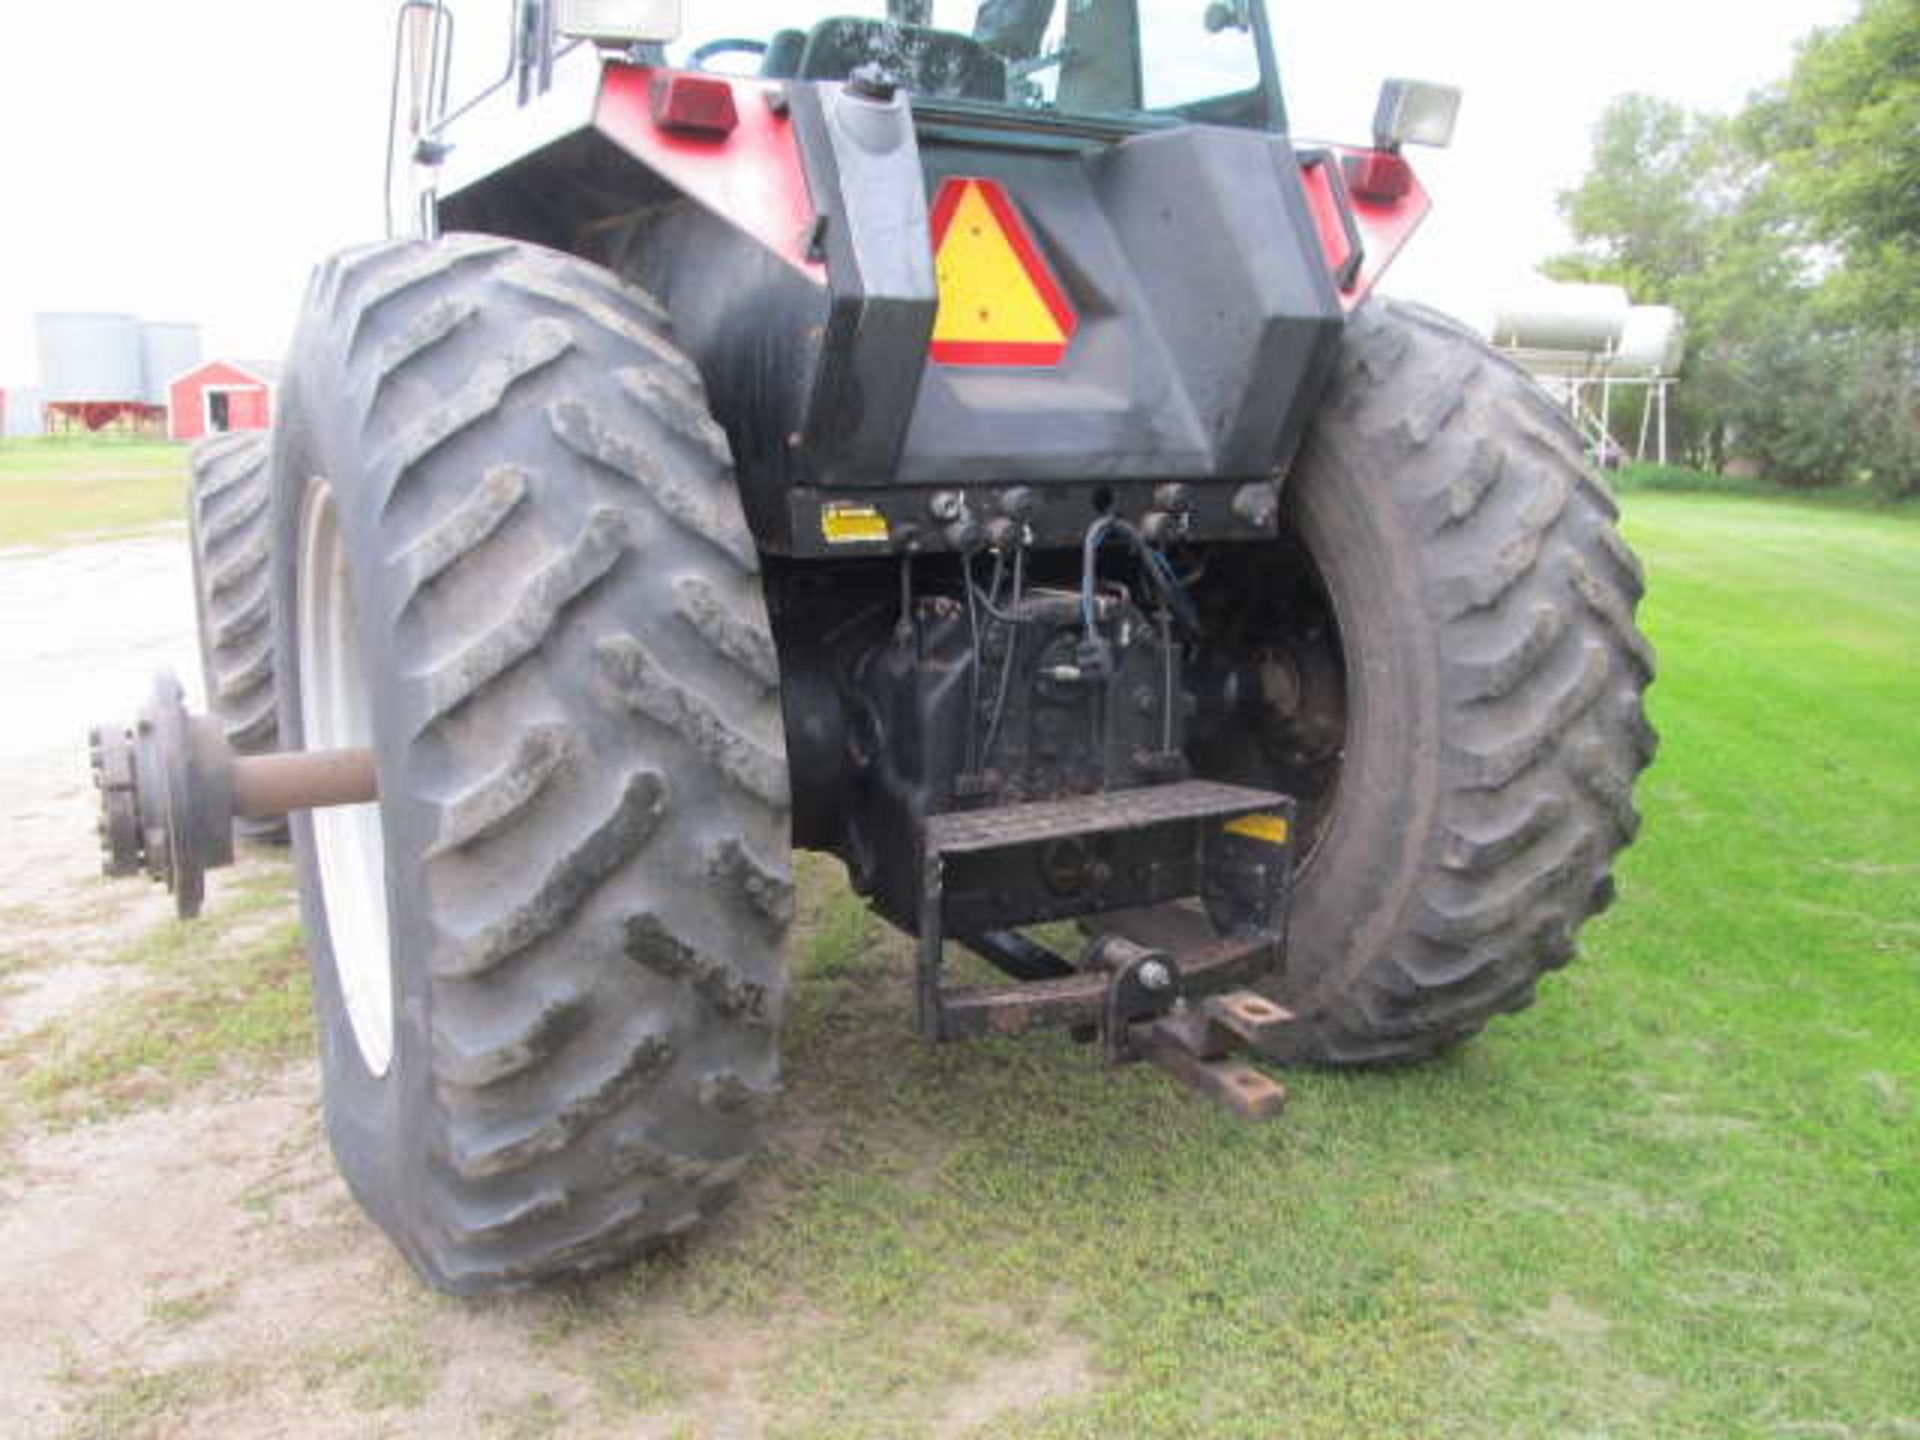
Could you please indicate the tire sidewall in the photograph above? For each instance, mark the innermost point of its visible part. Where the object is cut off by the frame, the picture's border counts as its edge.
(1364, 869)
(371, 1119)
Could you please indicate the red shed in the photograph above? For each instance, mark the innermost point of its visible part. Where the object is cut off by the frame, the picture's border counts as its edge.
(221, 395)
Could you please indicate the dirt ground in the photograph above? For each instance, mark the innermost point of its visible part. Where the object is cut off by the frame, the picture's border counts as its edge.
(82, 631)
(203, 1244)
(179, 1256)
(196, 1266)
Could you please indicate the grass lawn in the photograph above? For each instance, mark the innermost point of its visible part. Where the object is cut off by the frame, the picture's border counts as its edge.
(1679, 1197)
(57, 490)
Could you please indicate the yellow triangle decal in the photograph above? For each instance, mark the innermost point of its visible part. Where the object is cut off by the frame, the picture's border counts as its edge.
(999, 303)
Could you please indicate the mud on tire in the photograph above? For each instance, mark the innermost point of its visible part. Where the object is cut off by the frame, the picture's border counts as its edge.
(584, 793)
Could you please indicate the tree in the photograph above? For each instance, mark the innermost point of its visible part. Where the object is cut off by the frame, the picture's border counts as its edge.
(1671, 209)
(1889, 390)
(1789, 237)
(1846, 132)
(1644, 213)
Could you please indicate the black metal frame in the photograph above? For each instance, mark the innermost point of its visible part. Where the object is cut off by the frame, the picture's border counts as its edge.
(1226, 845)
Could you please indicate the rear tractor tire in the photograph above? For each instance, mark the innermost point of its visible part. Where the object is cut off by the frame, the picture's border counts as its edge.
(229, 520)
(1459, 694)
(510, 557)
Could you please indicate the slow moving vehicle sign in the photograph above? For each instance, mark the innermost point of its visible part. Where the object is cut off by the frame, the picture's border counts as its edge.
(999, 302)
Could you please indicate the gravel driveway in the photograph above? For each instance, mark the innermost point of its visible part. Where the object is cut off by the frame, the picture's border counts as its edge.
(81, 632)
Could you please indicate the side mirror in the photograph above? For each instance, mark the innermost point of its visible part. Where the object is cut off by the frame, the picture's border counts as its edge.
(620, 22)
(1415, 112)
(426, 40)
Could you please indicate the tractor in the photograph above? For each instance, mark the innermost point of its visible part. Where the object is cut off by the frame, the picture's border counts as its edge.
(958, 436)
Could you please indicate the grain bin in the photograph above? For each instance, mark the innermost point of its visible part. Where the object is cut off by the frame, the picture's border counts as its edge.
(90, 358)
(23, 417)
(168, 349)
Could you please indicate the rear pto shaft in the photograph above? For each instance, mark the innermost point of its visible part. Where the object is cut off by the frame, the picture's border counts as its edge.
(171, 787)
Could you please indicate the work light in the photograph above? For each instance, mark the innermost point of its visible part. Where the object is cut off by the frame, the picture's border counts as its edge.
(1415, 112)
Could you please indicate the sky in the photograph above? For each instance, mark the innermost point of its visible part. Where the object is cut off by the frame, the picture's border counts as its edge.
(192, 159)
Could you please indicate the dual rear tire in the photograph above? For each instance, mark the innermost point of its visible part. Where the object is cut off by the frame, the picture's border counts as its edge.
(510, 557)
(1481, 602)
(229, 526)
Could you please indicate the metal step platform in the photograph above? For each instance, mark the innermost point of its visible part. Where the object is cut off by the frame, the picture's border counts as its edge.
(986, 872)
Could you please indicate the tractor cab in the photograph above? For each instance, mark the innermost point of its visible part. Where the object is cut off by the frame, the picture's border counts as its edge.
(1111, 61)
(1025, 259)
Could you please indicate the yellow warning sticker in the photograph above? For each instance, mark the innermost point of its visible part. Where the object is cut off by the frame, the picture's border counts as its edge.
(1270, 828)
(843, 524)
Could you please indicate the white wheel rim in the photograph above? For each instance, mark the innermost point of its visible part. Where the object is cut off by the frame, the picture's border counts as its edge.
(348, 841)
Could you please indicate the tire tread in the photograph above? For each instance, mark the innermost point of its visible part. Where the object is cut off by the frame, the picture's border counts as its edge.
(1530, 593)
(542, 482)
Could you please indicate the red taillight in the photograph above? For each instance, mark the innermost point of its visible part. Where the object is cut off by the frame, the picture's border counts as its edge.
(1377, 175)
(694, 104)
(1364, 204)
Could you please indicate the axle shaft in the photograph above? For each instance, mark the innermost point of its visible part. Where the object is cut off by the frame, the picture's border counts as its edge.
(269, 785)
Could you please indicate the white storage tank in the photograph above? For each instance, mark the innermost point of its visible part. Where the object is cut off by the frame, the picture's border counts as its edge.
(1608, 362)
(90, 357)
(1652, 342)
(1582, 319)
(168, 349)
